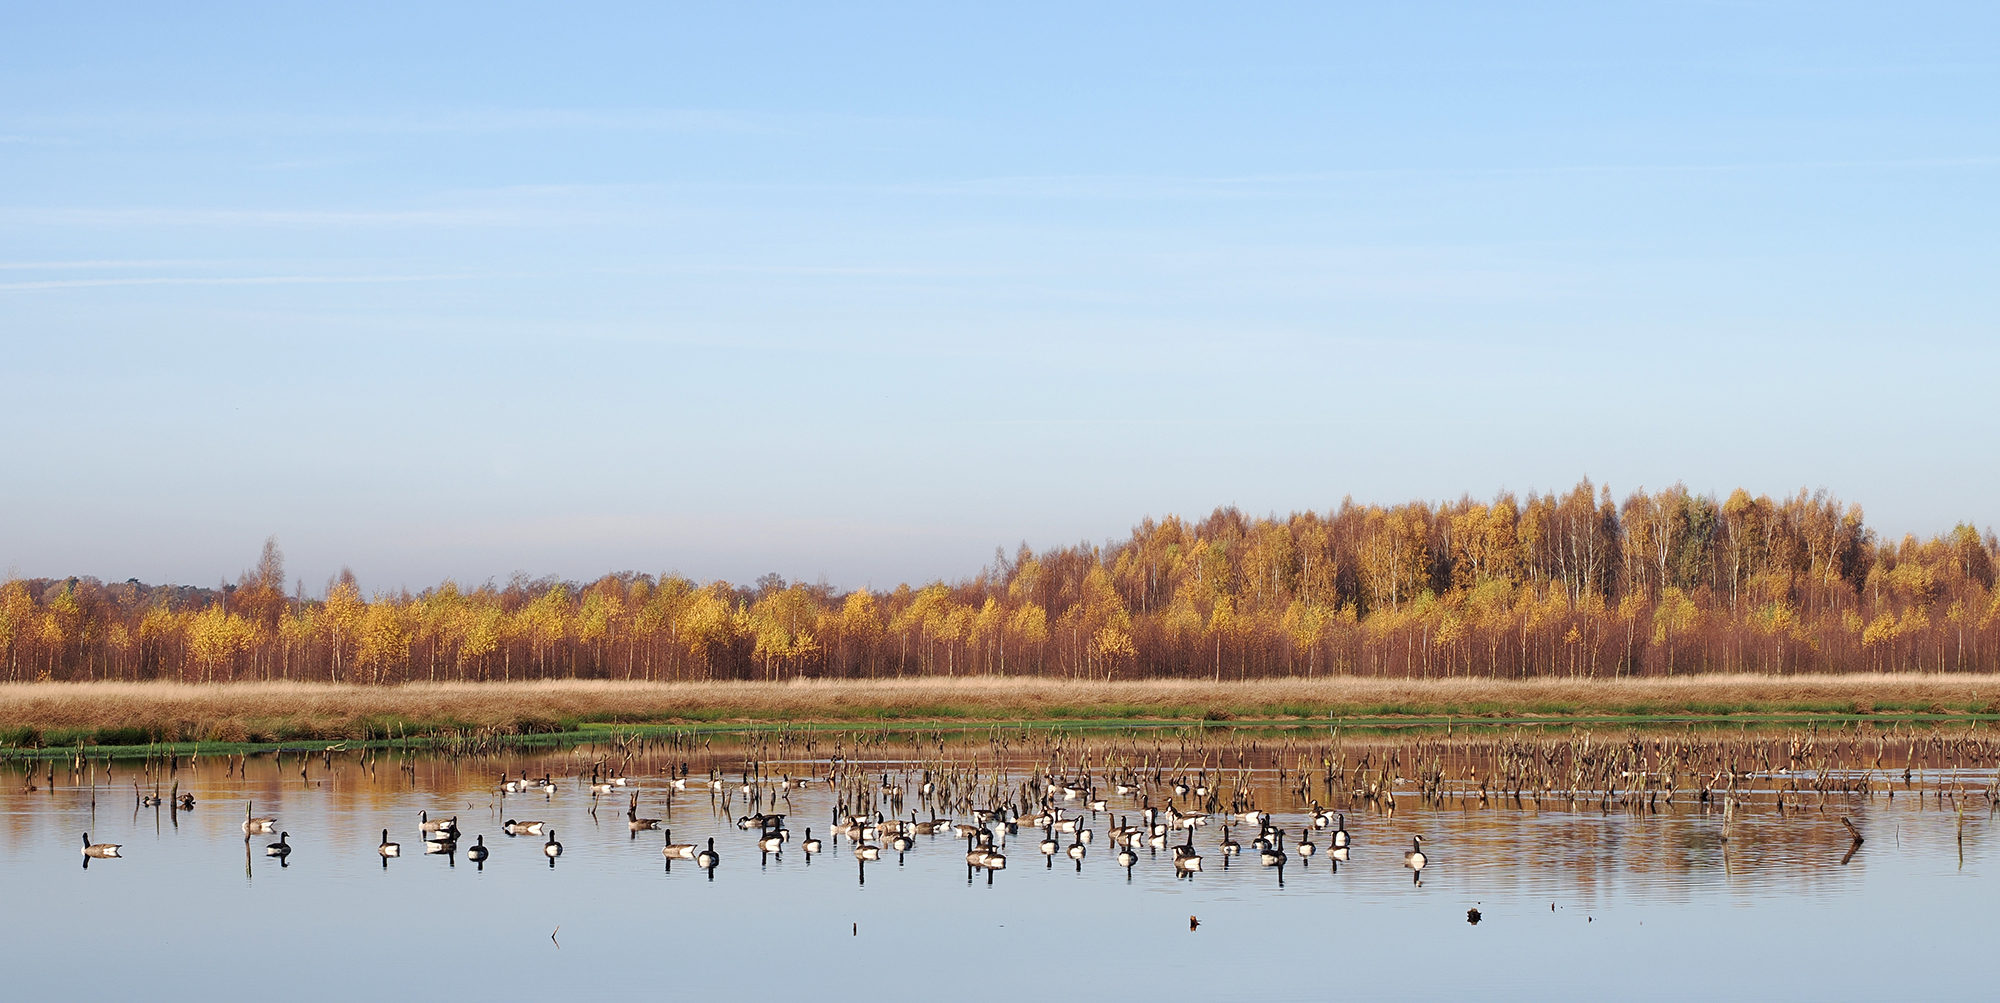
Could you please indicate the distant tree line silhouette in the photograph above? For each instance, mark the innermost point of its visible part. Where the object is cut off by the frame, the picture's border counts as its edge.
(1564, 584)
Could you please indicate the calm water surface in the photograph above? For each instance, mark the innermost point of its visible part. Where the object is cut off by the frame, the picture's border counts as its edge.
(1575, 901)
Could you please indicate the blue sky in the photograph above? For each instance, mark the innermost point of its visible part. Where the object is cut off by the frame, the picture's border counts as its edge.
(863, 293)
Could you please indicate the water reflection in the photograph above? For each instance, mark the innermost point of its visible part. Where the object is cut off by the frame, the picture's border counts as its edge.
(1514, 846)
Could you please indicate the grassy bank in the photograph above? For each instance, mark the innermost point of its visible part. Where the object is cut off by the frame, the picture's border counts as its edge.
(71, 714)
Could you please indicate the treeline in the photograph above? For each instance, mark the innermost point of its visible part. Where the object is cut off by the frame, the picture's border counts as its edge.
(1562, 584)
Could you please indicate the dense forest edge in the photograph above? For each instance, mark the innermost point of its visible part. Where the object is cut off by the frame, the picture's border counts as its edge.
(1570, 585)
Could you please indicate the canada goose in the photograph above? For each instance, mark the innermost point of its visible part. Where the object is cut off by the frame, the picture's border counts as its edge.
(1340, 838)
(707, 859)
(1076, 849)
(1095, 805)
(634, 822)
(926, 828)
(444, 846)
(1048, 844)
(255, 826)
(809, 844)
(477, 851)
(1273, 855)
(677, 851)
(901, 843)
(99, 850)
(280, 848)
(602, 788)
(1414, 857)
(552, 849)
(185, 802)
(145, 800)
(867, 851)
(1126, 858)
(511, 786)
(388, 849)
(441, 825)
(1186, 860)
(1230, 847)
(513, 828)
(975, 856)
(772, 842)
(1305, 848)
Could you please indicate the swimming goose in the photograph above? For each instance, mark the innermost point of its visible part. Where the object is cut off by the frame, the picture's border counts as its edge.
(809, 844)
(99, 850)
(259, 825)
(634, 822)
(678, 851)
(1186, 860)
(1305, 848)
(477, 851)
(1414, 857)
(1230, 847)
(280, 848)
(867, 851)
(1048, 844)
(552, 849)
(707, 859)
(772, 842)
(513, 828)
(388, 849)
(1340, 833)
(1274, 854)
(441, 825)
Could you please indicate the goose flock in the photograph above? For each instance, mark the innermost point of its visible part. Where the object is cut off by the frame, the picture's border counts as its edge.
(1062, 817)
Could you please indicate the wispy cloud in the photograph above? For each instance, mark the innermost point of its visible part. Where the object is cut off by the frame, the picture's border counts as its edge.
(142, 216)
(248, 280)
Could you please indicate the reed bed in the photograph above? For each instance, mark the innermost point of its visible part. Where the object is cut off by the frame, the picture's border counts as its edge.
(134, 713)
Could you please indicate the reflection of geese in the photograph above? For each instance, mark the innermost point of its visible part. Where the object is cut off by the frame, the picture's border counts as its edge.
(281, 848)
(99, 850)
(477, 852)
(1414, 859)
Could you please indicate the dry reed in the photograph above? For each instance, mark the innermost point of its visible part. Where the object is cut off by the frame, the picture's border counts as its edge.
(137, 712)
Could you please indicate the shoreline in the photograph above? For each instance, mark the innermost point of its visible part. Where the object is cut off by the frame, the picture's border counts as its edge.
(133, 716)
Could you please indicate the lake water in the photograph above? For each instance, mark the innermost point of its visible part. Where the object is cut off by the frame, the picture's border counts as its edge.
(1617, 895)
